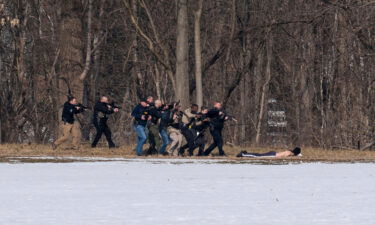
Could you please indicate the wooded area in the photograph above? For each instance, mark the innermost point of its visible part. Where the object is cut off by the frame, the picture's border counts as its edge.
(314, 58)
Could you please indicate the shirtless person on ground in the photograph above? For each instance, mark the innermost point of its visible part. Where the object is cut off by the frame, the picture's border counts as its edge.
(295, 152)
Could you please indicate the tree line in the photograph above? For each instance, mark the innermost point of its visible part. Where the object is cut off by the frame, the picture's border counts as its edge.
(316, 58)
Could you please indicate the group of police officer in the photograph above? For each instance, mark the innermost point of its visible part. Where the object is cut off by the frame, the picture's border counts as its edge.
(154, 121)
(102, 109)
(165, 126)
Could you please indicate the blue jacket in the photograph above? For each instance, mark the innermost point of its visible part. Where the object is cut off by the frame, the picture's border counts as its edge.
(137, 113)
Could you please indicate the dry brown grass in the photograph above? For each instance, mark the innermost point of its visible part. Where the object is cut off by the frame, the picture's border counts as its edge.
(309, 154)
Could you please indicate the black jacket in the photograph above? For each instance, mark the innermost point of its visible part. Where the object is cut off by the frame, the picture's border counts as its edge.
(155, 114)
(166, 119)
(216, 120)
(201, 126)
(68, 112)
(101, 112)
(137, 113)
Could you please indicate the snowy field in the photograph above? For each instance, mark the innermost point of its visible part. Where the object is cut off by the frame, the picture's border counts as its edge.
(172, 192)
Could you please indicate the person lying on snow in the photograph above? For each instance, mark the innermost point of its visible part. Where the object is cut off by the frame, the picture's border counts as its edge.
(295, 152)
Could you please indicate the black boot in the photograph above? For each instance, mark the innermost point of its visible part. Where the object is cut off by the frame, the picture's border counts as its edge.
(222, 154)
(181, 153)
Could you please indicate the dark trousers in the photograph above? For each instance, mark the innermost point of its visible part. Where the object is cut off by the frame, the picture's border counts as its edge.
(267, 154)
(153, 139)
(199, 142)
(102, 127)
(189, 136)
(218, 142)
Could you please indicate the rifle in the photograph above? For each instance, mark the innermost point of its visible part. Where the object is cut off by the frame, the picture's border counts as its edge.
(202, 117)
(173, 106)
(230, 117)
(170, 106)
(146, 113)
(114, 105)
(80, 105)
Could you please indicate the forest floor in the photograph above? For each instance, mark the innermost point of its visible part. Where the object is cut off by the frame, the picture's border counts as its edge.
(37, 153)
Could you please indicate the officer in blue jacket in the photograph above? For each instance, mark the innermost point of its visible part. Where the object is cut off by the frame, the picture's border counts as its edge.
(141, 117)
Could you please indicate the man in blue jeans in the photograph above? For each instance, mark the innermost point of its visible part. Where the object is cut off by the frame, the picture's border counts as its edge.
(157, 112)
(141, 116)
(163, 125)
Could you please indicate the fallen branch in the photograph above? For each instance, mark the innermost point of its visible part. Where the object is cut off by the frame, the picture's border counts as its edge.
(369, 145)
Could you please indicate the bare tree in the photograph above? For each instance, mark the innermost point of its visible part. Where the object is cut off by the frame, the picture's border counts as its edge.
(264, 90)
(182, 50)
(197, 52)
(316, 58)
(88, 42)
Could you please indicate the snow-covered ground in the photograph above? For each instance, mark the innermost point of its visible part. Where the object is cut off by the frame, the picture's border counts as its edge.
(173, 192)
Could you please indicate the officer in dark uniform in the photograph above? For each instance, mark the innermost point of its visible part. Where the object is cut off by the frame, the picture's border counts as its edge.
(203, 122)
(217, 119)
(70, 128)
(101, 111)
(155, 111)
(198, 128)
(188, 119)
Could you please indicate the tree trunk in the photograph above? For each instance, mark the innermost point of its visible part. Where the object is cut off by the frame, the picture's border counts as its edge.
(86, 69)
(136, 73)
(182, 57)
(1, 129)
(258, 70)
(264, 94)
(7, 56)
(243, 112)
(71, 50)
(157, 82)
(71, 35)
(198, 54)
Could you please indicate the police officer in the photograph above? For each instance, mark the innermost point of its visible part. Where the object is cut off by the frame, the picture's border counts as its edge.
(101, 111)
(150, 101)
(171, 121)
(188, 119)
(165, 118)
(69, 127)
(198, 128)
(217, 119)
(141, 116)
(155, 110)
(203, 122)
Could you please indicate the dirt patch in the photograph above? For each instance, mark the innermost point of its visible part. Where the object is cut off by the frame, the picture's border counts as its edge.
(44, 153)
